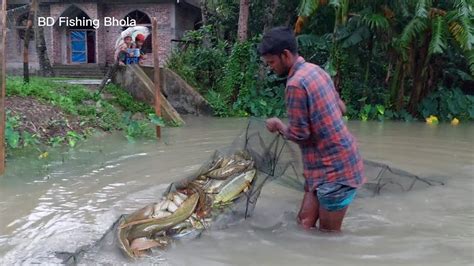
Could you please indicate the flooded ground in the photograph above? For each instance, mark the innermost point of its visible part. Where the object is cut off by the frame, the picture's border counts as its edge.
(73, 199)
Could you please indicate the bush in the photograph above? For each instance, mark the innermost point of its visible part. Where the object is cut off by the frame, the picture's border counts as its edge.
(233, 81)
(447, 104)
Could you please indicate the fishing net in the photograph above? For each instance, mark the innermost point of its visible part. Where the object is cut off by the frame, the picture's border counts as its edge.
(275, 159)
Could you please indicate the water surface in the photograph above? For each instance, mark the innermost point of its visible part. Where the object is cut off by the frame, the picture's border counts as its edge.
(71, 199)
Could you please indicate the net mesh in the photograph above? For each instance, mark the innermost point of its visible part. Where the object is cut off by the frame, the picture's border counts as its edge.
(275, 159)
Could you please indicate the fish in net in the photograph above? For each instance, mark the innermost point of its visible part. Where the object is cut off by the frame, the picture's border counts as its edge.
(197, 203)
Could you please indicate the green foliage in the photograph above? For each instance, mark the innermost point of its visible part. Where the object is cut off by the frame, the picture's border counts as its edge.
(72, 138)
(136, 128)
(470, 60)
(200, 65)
(16, 138)
(448, 104)
(422, 8)
(412, 31)
(438, 39)
(239, 86)
(56, 141)
(123, 99)
(218, 104)
(375, 21)
(370, 48)
(156, 120)
(12, 136)
(307, 7)
(67, 97)
(78, 101)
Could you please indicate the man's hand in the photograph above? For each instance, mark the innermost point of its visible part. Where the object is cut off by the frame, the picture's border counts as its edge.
(275, 124)
(272, 124)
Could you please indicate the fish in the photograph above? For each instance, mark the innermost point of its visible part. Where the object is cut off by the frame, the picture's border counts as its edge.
(179, 216)
(214, 186)
(189, 229)
(242, 155)
(215, 165)
(161, 214)
(124, 244)
(225, 172)
(178, 200)
(153, 226)
(160, 206)
(172, 207)
(188, 233)
(143, 243)
(235, 187)
(141, 214)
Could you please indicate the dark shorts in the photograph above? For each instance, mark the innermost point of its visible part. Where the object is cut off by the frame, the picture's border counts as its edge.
(334, 197)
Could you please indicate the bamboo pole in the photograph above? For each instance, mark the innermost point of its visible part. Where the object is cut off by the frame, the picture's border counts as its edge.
(156, 63)
(3, 32)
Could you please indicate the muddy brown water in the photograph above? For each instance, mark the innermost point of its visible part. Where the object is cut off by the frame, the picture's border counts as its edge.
(72, 198)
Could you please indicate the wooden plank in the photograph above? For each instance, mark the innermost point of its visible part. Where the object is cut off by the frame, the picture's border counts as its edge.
(156, 77)
(3, 32)
(167, 110)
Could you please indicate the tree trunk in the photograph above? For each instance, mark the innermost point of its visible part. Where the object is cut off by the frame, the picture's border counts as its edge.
(401, 91)
(204, 12)
(420, 69)
(41, 50)
(26, 43)
(206, 40)
(243, 20)
(395, 84)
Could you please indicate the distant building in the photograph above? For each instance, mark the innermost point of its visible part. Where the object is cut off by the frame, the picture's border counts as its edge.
(87, 46)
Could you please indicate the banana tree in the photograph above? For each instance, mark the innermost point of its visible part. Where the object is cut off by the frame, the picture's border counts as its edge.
(413, 35)
(434, 28)
(308, 8)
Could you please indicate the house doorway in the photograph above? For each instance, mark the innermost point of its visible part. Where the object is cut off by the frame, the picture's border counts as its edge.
(82, 46)
(79, 41)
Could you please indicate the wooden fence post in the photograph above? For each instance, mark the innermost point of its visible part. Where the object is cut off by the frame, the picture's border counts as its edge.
(156, 63)
(3, 32)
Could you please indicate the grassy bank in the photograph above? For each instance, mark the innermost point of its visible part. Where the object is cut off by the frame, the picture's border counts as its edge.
(44, 113)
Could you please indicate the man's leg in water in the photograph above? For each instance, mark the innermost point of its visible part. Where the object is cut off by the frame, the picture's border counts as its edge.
(331, 221)
(333, 199)
(311, 211)
(329, 204)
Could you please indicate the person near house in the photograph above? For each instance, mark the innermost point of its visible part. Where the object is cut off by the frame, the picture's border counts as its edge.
(139, 41)
(122, 52)
(333, 167)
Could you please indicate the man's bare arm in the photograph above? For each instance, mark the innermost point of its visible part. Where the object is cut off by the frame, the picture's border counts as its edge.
(342, 106)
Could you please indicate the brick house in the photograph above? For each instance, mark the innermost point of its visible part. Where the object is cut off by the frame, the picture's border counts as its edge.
(89, 47)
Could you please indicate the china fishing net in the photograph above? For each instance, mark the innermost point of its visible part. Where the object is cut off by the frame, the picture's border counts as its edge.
(277, 160)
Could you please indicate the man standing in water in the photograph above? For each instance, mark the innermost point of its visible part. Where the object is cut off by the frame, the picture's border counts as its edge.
(333, 167)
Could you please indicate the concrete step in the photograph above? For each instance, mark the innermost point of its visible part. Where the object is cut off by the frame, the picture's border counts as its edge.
(80, 71)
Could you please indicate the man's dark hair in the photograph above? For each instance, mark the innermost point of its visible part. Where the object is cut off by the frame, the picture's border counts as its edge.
(276, 40)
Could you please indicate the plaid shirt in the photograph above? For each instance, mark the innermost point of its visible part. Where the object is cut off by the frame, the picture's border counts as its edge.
(329, 150)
